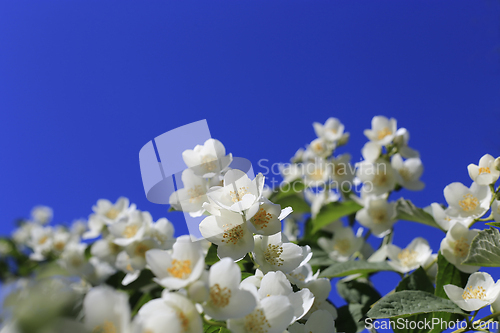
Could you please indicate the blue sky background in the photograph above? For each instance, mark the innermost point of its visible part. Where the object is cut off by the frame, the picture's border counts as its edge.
(85, 84)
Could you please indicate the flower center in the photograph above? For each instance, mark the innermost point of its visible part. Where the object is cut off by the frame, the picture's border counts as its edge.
(180, 268)
(405, 174)
(59, 246)
(484, 170)
(141, 249)
(107, 327)
(256, 322)
(261, 219)
(112, 213)
(195, 194)
(232, 235)
(407, 257)
(208, 162)
(318, 147)
(379, 179)
(461, 247)
(43, 239)
(237, 196)
(317, 174)
(379, 216)
(476, 293)
(342, 246)
(383, 133)
(184, 321)
(130, 231)
(219, 296)
(469, 203)
(298, 276)
(272, 255)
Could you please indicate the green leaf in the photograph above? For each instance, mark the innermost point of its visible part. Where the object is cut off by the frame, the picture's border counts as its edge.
(287, 189)
(407, 211)
(145, 278)
(411, 302)
(211, 257)
(296, 201)
(142, 300)
(485, 249)
(418, 280)
(494, 224)
(353, 267)
(332, 212)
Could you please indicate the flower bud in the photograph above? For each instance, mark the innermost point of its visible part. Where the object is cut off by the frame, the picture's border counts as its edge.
(198, 292)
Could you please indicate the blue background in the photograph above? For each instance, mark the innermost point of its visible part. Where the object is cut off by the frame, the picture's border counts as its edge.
(85, 84)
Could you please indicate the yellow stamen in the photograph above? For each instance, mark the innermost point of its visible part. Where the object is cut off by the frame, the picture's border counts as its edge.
(469, 203)
(236, 197)
(219, 296)
(256, 322)
(112, 213)
(272, 255)
(130, 231)
(476, 293)
(383, 133)
(407, 257)
(107, 327)
(261, 218)
(180, 268)
(461, 248)
(232, 234)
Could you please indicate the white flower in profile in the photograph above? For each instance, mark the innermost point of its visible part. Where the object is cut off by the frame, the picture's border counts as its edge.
(180, 311)
(230, 232)
(495, 210)
(480, 291)
(239, 193)
(267, 220)
(191, 197)
(378, 215)
(466, 202)
(162, 231)
(271, 315)
(409, 172)
(378, 177)
(207, 160)
(41, 214)
(443, 220)
(179, 268)
(383, 130)
(226, 299)
(277, 284)
(485, 173)
(106, 310)
(133, 259)
(343, 244)
(317, 173)
(40, 241)
(320, 321)
(401, 141)
(302, 275)
(321, 147)
(455, 246)
(132, 229)
(371, 151)
(410, 258)
(332, 130)
(275, 253)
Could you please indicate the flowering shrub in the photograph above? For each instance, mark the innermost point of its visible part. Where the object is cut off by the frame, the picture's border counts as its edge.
(267, 254)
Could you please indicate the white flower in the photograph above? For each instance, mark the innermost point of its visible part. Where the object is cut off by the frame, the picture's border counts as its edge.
(342, 170)
(320, 321)
(267, 220)
(41, 214)
(317, 173)
(302, 275)
(275, 253)
(106, 310)
(162, 231)
(73, 260)
(226, 299)
(106, 249)
(181, 267)
(343, 244)
(495, 210)
(480, 291)
(378, 177)
(383, 130)
(371, 151)
(331, 131)
(466, 202)
(401, 141)
(207, 160)
(485, 173)
(180, 312)
(414, 256)
(272, 315)
(290, 172)
(41, 242)
(230, 232)
(321, 148)
(191, 197)
(455, 246)
(378, 215)
(110, 213)
(133, 259)
(443, 220)
(320, 198)
(239, 193)
(276, 284)
(132, 229)
(409, 172)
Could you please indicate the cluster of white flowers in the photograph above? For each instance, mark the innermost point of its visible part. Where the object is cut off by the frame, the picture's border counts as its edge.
(251, 272)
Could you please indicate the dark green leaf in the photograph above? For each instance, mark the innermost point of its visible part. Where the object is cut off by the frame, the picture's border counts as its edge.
(332, 212)
(418, 280)
(287, 189)
(411, 302)
(296, 201)
(211, 257)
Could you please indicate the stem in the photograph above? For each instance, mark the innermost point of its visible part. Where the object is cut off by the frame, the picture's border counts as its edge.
(213, 323)
(491, 316)
(426, 268)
